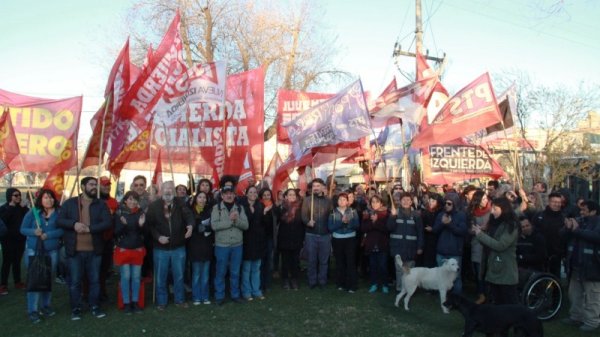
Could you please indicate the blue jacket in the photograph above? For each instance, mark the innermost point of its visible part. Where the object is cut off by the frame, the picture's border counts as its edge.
(340, 229)
(50, 227)
(583, 250)
(451, 237)
(100, 219)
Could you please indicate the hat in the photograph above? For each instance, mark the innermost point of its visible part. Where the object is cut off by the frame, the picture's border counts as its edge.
(9, 193)
(104, 181)
(226, 188)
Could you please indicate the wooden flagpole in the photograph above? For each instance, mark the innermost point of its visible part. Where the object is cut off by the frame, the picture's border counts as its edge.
(100, 151)
(169, 152)
(330, 193)
(189, 148)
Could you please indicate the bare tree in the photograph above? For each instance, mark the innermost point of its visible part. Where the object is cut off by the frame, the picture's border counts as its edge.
(287, 39)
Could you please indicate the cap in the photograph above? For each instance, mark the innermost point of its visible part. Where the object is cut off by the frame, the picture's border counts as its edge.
(104, 181)
(226, 188)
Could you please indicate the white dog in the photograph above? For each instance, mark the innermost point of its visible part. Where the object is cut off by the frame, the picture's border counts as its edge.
(438, 278)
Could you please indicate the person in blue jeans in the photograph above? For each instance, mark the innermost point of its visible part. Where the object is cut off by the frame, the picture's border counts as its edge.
(317, 241)
(255, 245)
(228, 220)
(201, 248)
(84, 219)
(170, 223)
(130, 251)
(41, 226)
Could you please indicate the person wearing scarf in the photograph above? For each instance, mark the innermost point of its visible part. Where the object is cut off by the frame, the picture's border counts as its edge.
(290, 238)
(478, 213)
(130, 251)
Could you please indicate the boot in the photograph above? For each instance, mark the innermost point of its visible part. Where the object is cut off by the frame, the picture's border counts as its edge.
(480, 299)
(286, 284)
(295, 284)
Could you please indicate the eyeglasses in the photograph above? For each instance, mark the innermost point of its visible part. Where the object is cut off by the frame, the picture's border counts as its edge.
(16, 195)
(138, 185)
(448, 203)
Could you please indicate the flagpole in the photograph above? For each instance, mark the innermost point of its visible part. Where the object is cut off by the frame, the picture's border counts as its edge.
(150, 173)
(169, 153)
(37, 221)
(330, 193)
(189, 148)
(100, 152)
(312, 195)
(517, 179)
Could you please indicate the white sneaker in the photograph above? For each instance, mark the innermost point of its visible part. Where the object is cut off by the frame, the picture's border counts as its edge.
(197, 303)
(206, 302)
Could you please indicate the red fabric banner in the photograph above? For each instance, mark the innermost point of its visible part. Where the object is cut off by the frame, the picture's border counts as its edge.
(165, 68)
(136, 151)
(438, 97)
(290, 103)
(9, 148)
(473, 108)
(43, 128)
(219, 136)
(119, 81)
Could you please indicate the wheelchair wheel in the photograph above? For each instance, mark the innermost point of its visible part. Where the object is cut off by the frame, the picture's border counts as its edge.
(543, 294)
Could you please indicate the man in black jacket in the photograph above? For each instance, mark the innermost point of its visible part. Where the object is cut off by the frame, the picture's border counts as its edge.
(531, 247)
(84, 219)
(549, 222)
(170, 223)
(583, 267)
(13, 243)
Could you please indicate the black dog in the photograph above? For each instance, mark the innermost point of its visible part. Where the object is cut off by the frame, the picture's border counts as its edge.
(493, 319)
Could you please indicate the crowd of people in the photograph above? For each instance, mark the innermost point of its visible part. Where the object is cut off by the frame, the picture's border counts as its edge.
(202, 240)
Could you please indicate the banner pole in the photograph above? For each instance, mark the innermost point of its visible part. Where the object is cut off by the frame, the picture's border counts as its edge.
(169, 153)
(330, 192)
(29, 185)
(516, 177)
(100, 150)
(189, 148)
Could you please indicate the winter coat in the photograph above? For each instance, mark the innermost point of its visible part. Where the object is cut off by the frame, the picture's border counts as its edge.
(255, 237)
(129, 235)
(321, 209)
(549, 223)
(100, 221)
(531, 251)
(451, 236)
(290, 235)
(174, 227)
(406, 234)
(501, 261)
(376, 234)
(201, 244)
(583, 249)
(338, 228)
(12, 216)
(47, 225)
(227, 232)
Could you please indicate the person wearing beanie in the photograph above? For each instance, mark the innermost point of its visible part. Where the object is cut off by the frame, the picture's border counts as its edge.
(13, 243)
(451, 227)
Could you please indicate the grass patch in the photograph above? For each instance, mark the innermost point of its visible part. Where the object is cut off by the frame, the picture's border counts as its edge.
(305, 312)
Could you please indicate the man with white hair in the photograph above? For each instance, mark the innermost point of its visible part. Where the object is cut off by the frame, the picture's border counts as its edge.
(170, 223)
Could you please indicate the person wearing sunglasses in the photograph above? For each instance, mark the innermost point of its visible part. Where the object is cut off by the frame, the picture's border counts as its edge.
(451, 229)
(13, 243)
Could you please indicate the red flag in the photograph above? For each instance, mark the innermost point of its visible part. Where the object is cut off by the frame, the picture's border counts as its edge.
(9, 148)
(406, 103)
(55, 181)
(137, 150)
(246, 175)
(161, 75)
(473, 108)
(438, 96)
(271, 172)
(157, 178)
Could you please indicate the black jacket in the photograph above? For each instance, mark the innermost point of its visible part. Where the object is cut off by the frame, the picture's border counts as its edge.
(201, 244)
(12, 216)
(130, 235)
(549, 223)
(531, 251)
(174, 227)
(255, 237)
(100, 219)
(291, 233)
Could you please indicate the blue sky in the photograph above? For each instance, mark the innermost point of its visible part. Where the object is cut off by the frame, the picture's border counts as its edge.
(59, 48)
